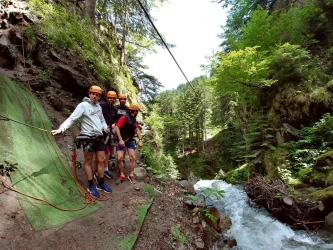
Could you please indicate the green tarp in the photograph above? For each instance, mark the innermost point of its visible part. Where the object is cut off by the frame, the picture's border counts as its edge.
(40, 172)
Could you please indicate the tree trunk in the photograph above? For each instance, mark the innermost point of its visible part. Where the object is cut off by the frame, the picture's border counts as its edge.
(123, 40)
(90, 8)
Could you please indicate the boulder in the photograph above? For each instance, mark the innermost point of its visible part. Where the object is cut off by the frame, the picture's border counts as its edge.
(329, 222)
(140, 173)
(7, 55)
(188, 186)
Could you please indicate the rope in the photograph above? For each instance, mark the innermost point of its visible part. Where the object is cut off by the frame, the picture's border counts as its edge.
(9, 119)
(166, 46)
(7, 185)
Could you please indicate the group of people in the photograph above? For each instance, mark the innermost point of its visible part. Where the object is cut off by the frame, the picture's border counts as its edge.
(102, 123)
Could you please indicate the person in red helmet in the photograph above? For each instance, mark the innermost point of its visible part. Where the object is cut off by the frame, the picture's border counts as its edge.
(122, 110)
(126, 128)
(110, 116)
(92, 125)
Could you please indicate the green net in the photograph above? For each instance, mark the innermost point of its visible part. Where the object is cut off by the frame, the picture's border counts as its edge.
(40, 172)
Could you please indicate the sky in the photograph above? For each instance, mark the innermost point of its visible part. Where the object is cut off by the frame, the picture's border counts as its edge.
(191, 25)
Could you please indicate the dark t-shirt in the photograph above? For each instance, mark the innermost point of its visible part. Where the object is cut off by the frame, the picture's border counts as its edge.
(109, 113)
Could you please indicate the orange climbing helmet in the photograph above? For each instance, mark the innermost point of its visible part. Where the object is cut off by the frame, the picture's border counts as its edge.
(133, 107)
(95, 89)
(122, 96)
(111, 94)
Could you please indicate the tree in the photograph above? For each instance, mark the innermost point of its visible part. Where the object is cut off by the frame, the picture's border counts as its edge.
(90, 7)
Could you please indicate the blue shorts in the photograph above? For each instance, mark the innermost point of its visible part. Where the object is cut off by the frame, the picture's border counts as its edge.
(128, 144)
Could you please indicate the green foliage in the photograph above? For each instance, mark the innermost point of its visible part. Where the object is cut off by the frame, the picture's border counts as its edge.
(6, 168)
(250, 24)
(149, 157)
(178, 235)
(199, 163)
(312, 142)
(321, 95)
(329, 179)
(69, 32)
(207, 213)
(43, 74)
(290, 63)
(242, 71)
(218, 194)
(257, 139)
(237, 175)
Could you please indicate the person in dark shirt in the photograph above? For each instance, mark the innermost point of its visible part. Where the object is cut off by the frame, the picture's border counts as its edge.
(110, 116)
(122, 110)
(126, 128)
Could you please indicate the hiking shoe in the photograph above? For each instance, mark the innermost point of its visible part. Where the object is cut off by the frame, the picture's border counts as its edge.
(131, 178)
(120, 179)
(104, 187)
(93, 191)
(108, 174)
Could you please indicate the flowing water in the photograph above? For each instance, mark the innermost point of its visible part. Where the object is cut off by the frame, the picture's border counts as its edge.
(257, 230)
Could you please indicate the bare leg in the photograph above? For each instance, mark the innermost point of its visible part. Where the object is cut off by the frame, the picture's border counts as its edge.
(131, 154)
(120, 157)
(100, 158)
(88, 157)
(107, 153)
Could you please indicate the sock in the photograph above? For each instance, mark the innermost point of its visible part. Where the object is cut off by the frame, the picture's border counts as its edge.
(100, 181)
(91, 183)
(106, 169)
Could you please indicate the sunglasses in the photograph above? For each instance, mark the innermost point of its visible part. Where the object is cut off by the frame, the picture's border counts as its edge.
(133, 111)
(111, 98)
(122, 99)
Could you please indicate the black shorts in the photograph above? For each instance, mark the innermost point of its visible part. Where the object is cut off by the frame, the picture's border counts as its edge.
(94, 145)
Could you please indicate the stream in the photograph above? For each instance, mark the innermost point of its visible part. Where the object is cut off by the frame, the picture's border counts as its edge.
(255, 229)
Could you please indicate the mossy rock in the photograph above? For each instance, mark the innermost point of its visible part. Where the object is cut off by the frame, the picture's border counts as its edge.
(329, 179)
(316, 178)
(324, 162)
(275, 159)
(325, 196)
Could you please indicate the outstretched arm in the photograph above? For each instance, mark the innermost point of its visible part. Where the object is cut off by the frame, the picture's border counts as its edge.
(77, 113)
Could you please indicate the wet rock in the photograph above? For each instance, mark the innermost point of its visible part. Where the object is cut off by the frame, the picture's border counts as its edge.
(196, 220)
(192, 178)
(56, 102)
(7, 55)
(4, 24)
(225, 224)
(210, 236)
(227, 243)
(188, 186)
(214, 223)
(15, 37)
(329, 222)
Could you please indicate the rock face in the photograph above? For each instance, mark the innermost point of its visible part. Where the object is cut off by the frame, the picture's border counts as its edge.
(329, 222)
(36, 61)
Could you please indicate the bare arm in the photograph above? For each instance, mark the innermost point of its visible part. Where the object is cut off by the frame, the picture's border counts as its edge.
(121, 142)
(138, 133)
